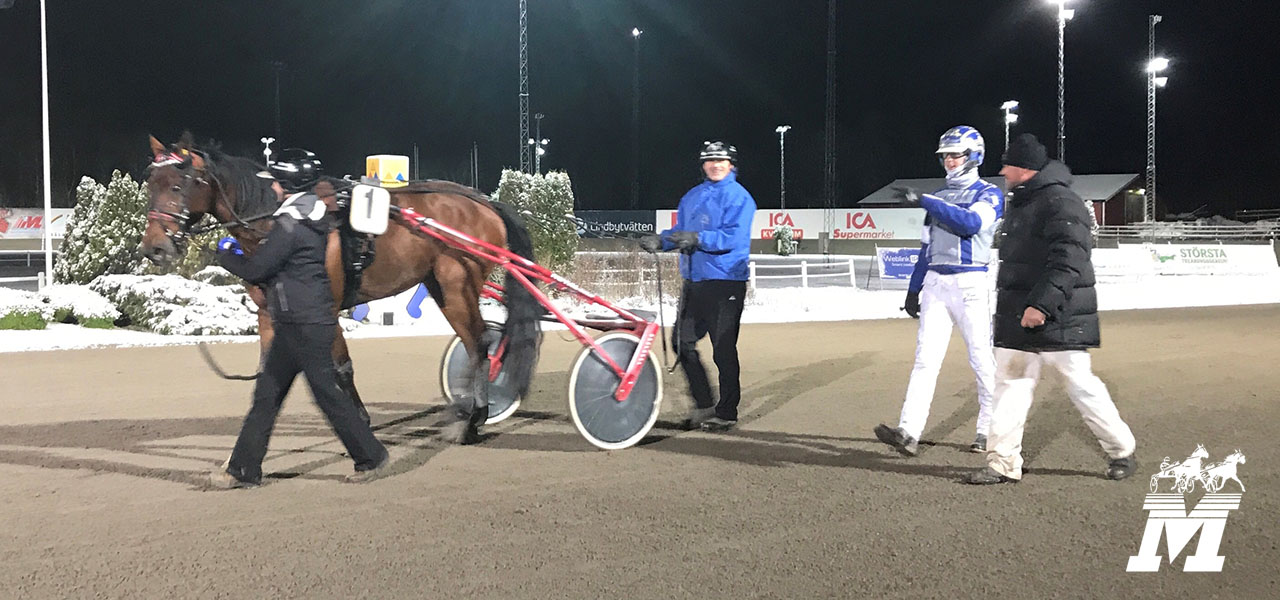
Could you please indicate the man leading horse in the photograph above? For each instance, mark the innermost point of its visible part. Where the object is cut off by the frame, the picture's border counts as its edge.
(185, 183)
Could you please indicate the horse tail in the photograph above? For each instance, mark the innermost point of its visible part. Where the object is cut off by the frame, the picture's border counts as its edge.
(524, 311)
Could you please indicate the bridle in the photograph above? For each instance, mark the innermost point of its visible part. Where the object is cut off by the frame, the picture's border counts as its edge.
(183, 230)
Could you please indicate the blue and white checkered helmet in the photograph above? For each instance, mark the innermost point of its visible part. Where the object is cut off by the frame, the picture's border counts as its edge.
(963, 139)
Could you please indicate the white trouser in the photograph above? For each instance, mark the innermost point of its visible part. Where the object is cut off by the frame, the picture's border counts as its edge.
(1016, 375)
(964, 299)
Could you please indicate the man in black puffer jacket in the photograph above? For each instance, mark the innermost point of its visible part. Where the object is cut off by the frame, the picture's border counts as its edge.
(1046, 313)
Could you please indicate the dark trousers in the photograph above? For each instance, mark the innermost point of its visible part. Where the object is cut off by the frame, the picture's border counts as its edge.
(711, 307)
(301, 349)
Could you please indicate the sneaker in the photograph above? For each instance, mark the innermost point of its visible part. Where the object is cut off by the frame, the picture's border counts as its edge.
(898, 438)
(718, 424)
(1121, 468)
(979, 444)
(370, 474)
(698, 416)
(222, 480)
(987, 476)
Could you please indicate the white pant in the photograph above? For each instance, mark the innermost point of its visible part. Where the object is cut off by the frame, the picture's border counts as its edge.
(1016, 375)
(964, 299)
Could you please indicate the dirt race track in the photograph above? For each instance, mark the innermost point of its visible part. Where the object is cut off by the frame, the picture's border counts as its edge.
(102, 452)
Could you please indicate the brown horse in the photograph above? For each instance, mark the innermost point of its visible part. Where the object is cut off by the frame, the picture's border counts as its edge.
(185, 183)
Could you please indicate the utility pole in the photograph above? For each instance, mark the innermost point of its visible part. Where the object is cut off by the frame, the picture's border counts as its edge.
(782, 164)
(635, 120)
(1154, 66)
(829, 133)
(278, 66)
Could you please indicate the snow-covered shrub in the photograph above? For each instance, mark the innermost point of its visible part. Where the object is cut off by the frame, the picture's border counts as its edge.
(170, 304)
(199, 253)
(81, 305)
(548, 197)
(103, 236)
(23, 310)
(215, 275)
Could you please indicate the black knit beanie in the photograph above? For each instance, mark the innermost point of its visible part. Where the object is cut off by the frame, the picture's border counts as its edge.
(1027, 152)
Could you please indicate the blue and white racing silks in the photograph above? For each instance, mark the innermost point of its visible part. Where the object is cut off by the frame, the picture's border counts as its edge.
(960, 225)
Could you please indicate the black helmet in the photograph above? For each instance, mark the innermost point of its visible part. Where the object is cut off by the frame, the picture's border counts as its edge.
(718, 151)
(295, 168)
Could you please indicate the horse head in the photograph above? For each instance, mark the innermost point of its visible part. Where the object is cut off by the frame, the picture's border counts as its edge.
(1200, 452)
(179, 195)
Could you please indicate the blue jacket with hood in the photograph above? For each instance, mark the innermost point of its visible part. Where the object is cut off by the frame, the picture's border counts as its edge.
(721, 213)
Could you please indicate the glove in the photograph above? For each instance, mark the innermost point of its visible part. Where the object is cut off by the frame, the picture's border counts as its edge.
(684, 240)
(230, 244)
(913, 305)
(650, 243)
(909, 196)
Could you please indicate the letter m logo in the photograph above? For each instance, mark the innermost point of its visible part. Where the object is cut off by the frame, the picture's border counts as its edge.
(1167, 514)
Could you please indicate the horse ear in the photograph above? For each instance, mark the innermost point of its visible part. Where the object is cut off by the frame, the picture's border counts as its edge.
(156, 146)
(197, 161)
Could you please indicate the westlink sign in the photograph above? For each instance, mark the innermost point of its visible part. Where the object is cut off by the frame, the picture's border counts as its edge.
(844, 224)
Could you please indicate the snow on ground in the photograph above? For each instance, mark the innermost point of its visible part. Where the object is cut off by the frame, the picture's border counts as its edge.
(765, 306)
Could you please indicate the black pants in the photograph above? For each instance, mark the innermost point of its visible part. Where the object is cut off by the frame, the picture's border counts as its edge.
(711, 307)
(301, 349)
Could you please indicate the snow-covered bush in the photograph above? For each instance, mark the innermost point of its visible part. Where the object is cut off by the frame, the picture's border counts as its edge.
(23, 310)
(80, 304)
(215, 275)
(170, 304)
(548, 197)
(199, 253)
(104, 230)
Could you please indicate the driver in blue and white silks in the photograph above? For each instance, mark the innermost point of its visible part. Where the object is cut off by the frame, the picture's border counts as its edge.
(950, 285)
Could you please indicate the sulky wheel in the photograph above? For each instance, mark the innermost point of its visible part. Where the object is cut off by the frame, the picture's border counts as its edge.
(503, 401)
(599, 417)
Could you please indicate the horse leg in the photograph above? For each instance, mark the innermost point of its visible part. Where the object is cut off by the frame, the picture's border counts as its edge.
(266, 331)
(347, 374)
(459, 301)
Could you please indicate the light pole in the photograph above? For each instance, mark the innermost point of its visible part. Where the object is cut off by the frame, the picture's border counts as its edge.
(48, 170)
(278, 66)
(635, 120)
(782, 163)
(1064, 15)
(539, 148)
(1155, 65)
(1010, 118)
(542, 143)
(266, 149)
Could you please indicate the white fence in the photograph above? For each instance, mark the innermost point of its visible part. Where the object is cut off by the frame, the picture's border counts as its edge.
(807, 272)
(1261, 230)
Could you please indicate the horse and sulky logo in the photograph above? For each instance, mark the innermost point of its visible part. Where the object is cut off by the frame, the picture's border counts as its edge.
(1167, 512)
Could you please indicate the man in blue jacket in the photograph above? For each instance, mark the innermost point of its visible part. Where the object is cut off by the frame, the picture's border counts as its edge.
(713, 234)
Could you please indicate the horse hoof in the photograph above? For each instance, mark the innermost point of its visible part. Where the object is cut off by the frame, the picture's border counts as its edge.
(464, 429)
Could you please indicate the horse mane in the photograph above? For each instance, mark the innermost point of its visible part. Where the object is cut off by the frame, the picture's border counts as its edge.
(253, 195)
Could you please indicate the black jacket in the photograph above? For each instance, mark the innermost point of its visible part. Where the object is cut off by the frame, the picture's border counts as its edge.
(289, 266)
(1044, 263)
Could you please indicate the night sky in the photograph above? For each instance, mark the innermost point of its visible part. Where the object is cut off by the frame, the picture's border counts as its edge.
(378, 76)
